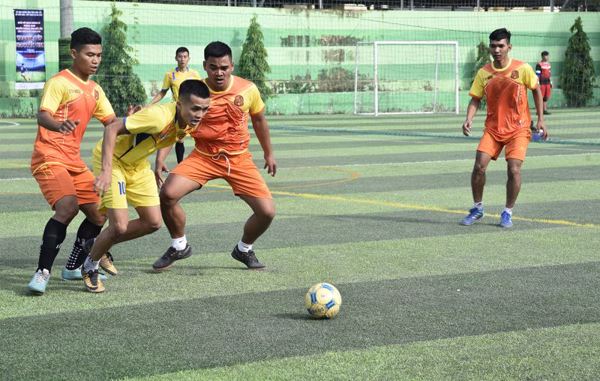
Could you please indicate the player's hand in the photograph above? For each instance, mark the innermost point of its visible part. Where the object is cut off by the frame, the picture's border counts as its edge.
(541, 126)
(466, 127)
(160, 169)
(102, 182)
(270, 165)
(68, 126)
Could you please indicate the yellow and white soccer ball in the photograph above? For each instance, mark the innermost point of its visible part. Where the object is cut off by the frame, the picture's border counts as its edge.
(323, 301)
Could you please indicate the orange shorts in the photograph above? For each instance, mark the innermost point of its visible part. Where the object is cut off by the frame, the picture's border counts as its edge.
(238, 170)
(56, 182)
(515, 147)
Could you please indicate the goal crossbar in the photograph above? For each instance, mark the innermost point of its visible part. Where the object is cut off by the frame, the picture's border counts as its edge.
(376, 79)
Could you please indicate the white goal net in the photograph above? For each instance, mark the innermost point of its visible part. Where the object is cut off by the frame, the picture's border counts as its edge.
(406, 77)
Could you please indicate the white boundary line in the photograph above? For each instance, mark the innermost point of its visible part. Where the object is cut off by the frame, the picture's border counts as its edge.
(12, 124)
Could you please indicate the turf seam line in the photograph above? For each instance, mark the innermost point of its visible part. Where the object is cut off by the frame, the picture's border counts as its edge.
(415, 134)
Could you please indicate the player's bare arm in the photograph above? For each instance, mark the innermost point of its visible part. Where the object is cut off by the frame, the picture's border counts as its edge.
(471, 111)
(46, 120)
(160, 95)
(103, 180)
(109, 121)
(538, 99)
(261, 129)
(159, 165)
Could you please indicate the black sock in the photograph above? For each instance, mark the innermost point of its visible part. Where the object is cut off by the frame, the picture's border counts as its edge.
(86, 231)
(179, 151)
(54, 235)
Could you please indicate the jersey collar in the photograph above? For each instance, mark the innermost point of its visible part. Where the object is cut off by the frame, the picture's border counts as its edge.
(503, 68)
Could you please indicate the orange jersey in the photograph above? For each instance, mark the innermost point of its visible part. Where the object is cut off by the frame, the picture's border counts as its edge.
(225, 127)
(66, 96)
(505, 91)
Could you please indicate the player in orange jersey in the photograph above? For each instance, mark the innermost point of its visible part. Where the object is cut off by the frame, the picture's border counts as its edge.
(221, 151)
(504, 84)
(69, 101)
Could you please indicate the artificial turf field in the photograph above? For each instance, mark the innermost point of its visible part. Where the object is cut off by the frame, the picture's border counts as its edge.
(369, 204)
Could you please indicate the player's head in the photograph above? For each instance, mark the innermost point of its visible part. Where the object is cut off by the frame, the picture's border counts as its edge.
(545, 56)
(218, 64)
(84, 36)
(500, 44)
(500, 34)
(86, 50)
(193, 102)
(182, 56)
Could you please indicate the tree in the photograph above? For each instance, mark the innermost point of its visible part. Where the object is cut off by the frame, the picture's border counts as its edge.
(578, 72)
(483, 58)
(123, 87)
(253, 63)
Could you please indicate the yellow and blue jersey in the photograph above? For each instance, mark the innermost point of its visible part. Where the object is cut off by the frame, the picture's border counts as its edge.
(174, 78)
(150, 129)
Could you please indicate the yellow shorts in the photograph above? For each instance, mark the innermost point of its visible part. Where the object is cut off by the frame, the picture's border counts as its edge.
(238, 170)
(515, 147)
(133, 186)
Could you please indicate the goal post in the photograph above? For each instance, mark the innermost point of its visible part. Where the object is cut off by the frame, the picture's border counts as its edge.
(406, 77)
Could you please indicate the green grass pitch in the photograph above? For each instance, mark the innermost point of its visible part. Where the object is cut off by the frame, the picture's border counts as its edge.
(371, 205)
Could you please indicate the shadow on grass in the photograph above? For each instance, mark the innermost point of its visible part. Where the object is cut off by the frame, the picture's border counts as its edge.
(226, 330)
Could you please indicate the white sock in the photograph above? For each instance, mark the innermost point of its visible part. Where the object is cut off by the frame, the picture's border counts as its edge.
(90, 264)
(508, 210)
(244, 247)
(179, 243)
(478, 205)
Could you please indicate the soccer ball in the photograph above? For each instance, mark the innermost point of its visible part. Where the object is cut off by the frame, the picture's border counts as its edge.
(538, 136)
(323, 301)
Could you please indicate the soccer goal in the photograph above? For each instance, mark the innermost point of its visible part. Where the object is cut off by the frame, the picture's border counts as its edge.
(406, 77)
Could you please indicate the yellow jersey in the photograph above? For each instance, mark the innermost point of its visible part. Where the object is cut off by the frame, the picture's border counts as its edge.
(150, 129)
(174, 78)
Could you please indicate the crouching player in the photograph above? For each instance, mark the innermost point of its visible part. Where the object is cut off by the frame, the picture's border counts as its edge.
(124, 175)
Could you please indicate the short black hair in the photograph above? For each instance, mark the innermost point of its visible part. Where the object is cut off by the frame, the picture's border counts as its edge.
(84, 36)
(193, 87)
(500, 34)
(545, 53)
(182, 49)
(217, 49)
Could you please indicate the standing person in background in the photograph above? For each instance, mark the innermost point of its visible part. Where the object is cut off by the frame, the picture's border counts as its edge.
(543, 71)
(221, 151)
(504, 84)
(69, 100)
(172, 81)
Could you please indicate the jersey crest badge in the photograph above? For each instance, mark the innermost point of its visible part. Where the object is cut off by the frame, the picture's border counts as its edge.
(514, 74)
(238, 101)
